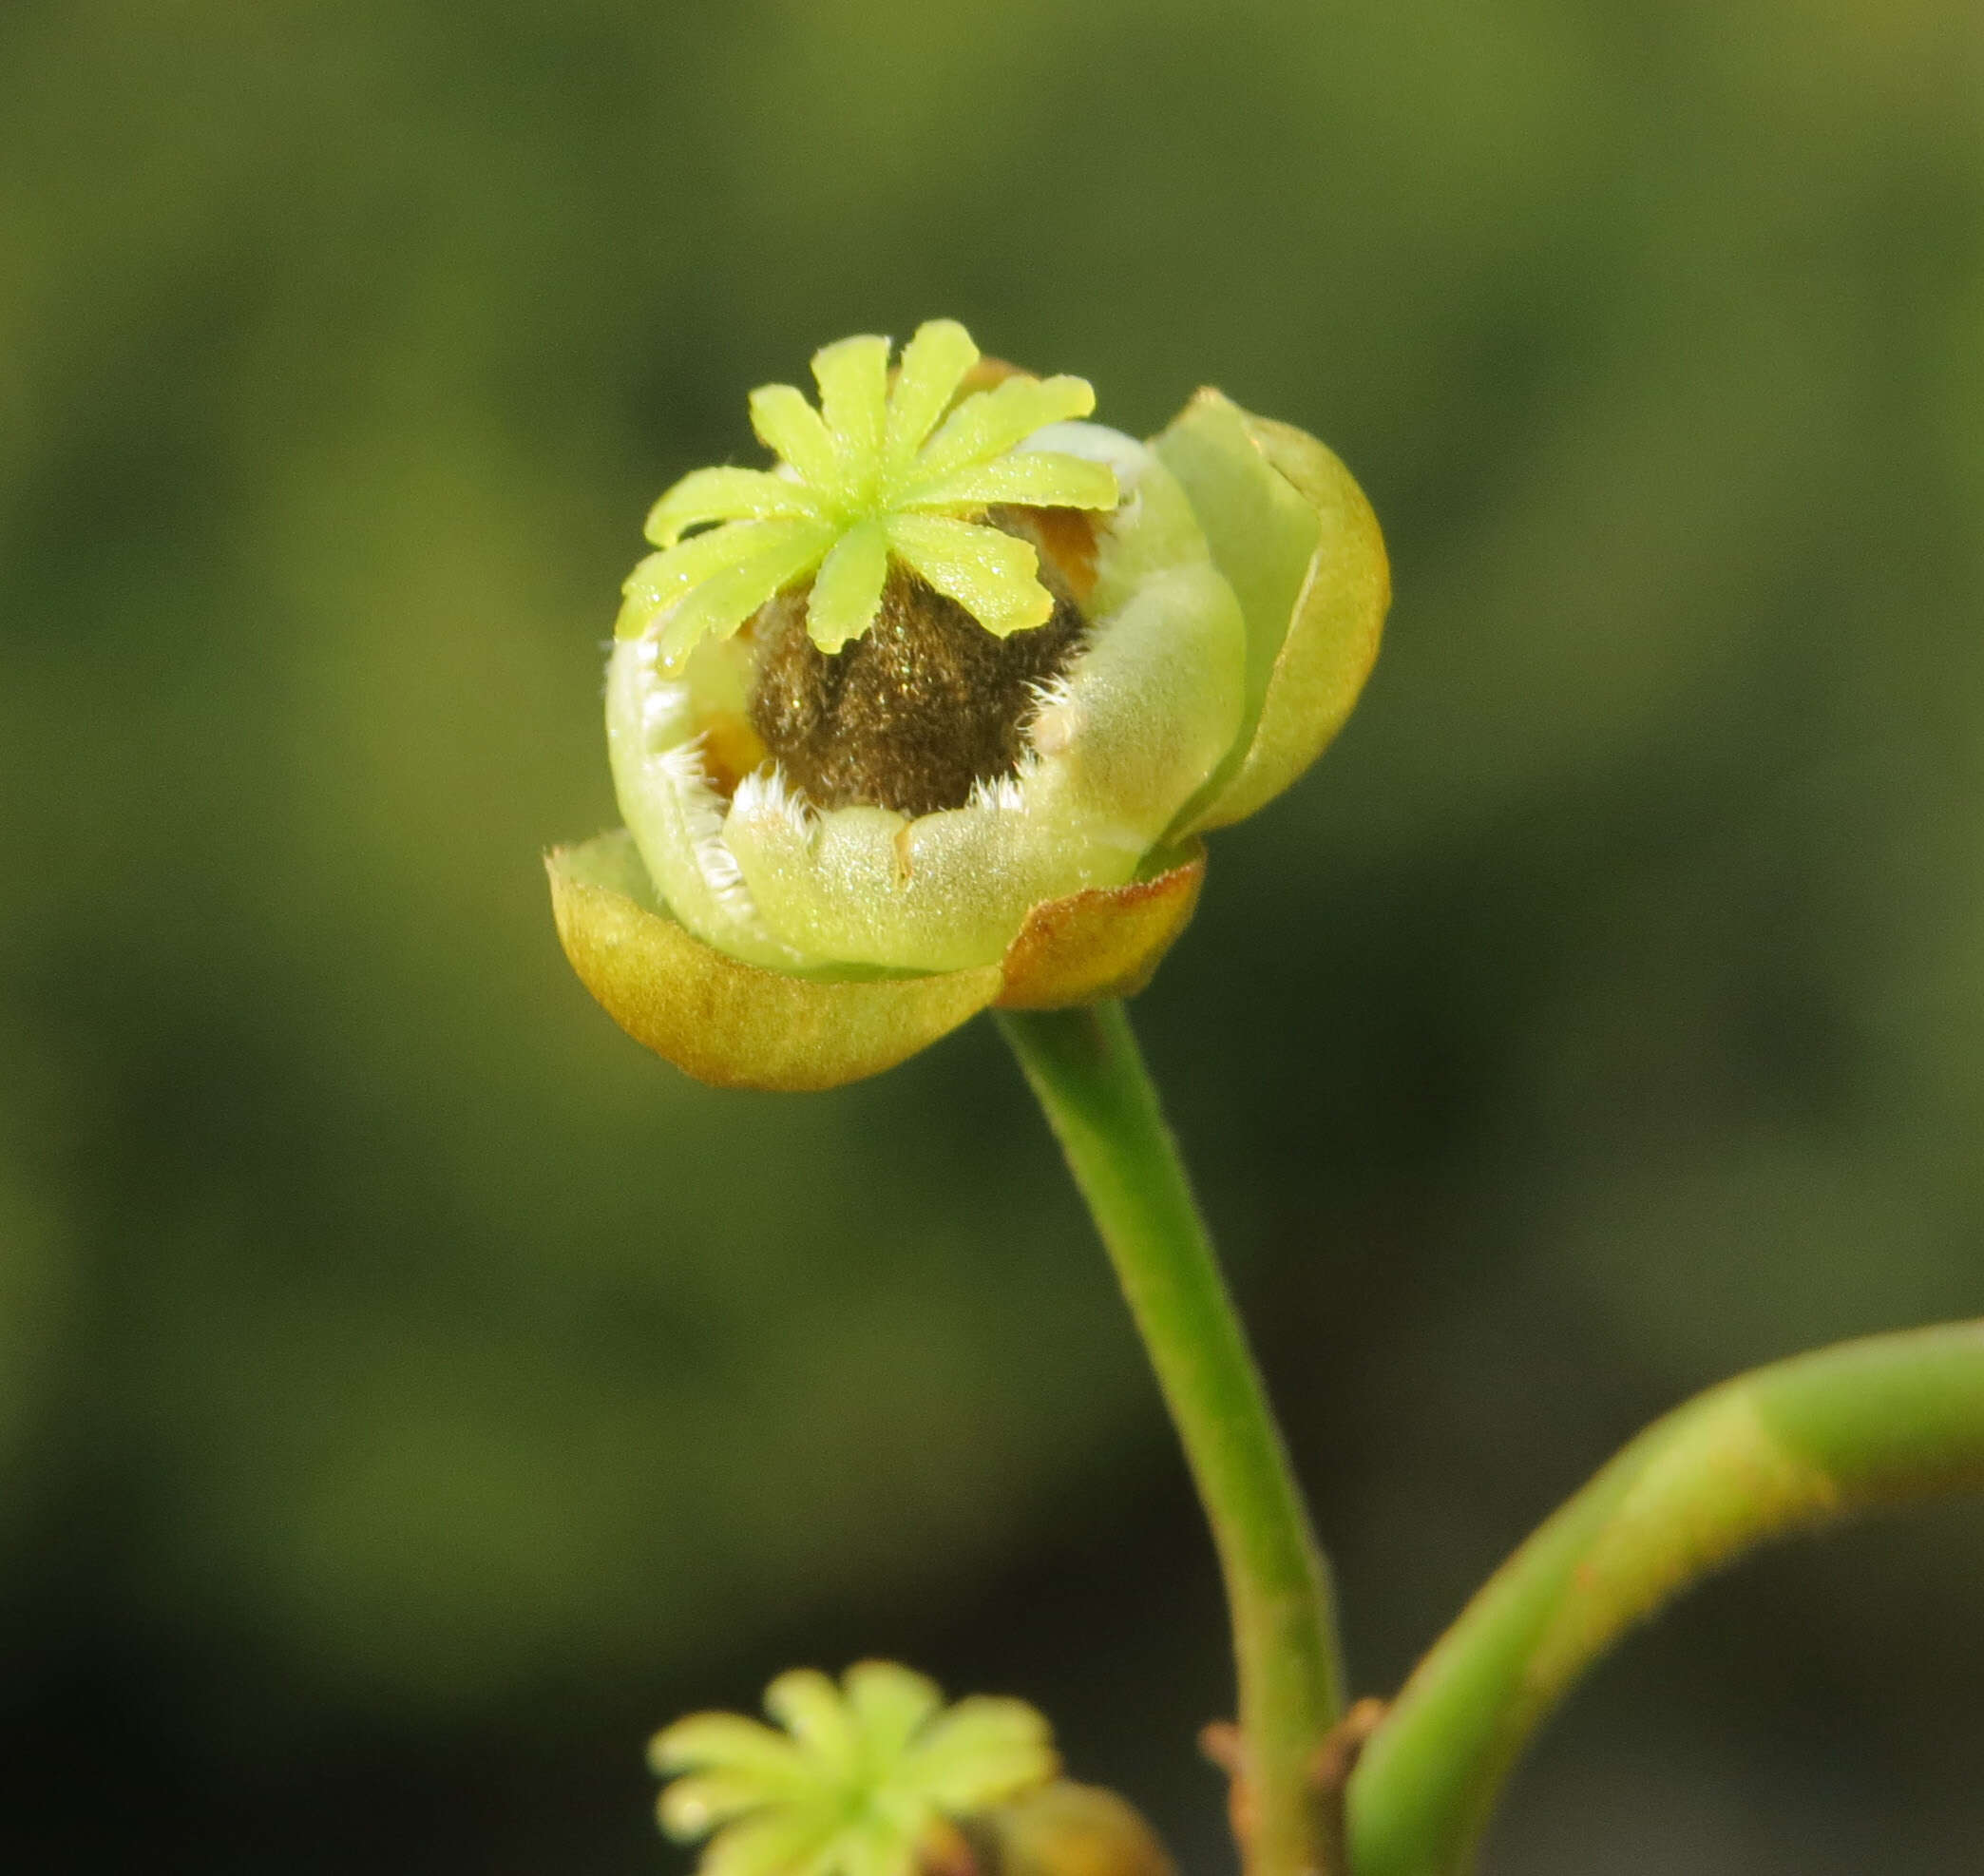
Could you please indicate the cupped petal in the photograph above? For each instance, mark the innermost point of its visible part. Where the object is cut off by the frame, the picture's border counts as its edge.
(731, 1024)
(656, 744)
(1146, 713)
(1262, 533)
(1154, 527)
(1294, 535)
(943, 892)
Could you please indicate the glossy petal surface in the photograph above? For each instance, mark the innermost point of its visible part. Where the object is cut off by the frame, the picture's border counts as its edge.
(1297, 539)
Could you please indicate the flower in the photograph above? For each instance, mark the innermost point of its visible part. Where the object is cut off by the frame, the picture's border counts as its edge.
(933, 714)
(857, 1783)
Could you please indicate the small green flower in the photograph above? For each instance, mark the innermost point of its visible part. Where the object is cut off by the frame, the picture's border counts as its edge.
(859, 1778)
(861, 480)
(936, 715)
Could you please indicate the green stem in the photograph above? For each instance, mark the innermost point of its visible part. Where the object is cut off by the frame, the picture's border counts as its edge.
(1892, 1418)
(1085, 1067)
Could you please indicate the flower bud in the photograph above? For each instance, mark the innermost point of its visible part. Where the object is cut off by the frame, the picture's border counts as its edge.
(1066, 1830)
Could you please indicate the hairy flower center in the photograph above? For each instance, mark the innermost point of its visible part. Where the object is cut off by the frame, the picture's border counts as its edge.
(917, 712)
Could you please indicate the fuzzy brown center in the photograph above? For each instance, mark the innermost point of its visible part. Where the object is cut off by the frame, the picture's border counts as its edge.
(917, 710)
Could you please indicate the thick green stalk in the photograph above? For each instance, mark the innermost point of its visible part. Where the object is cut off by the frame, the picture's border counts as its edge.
(1085, 1067)
(1892, 1418)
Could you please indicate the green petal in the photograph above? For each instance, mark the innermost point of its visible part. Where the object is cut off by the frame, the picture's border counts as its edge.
(1296, 538)
(847, 591)
(810, 1707)
(983, 1749)
(785, 550)
(1262, 533)
(1153, 531)
(990, 422)
(1153, 707)
(664, 792)
(1039, 479)
(853, 379)
(944, 892)
(934, 364)
(726, 494)
(1153, 703)
(890, 1703)
(990, 574)
(786, 423)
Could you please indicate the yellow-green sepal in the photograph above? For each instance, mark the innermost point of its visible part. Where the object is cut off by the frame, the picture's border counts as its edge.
(1297, 541)
(737, 1024)
(1104, 941)
(729, 1023)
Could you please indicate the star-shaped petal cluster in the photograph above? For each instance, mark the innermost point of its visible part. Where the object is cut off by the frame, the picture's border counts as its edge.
(861, 1774)
(880, 472)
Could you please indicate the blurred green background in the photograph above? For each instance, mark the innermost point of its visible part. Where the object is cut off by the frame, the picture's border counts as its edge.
(411, 1393)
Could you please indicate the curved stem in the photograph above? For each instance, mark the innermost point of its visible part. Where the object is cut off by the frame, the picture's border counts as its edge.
(1789, 1447)
(1085, 1067)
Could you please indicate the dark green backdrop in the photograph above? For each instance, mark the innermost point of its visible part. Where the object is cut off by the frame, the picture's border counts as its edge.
(411, 1393)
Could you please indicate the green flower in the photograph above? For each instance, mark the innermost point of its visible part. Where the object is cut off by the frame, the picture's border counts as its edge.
(936, 715)
(862, 480)
(857, 1781)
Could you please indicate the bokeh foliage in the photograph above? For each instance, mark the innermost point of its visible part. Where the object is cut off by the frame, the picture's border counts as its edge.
(387, 1349)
